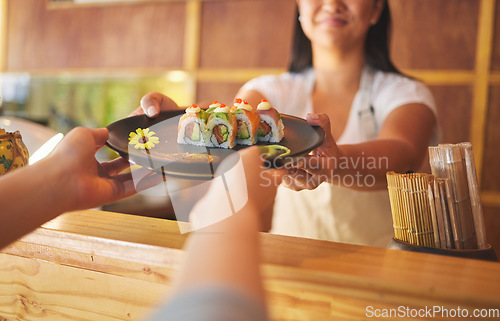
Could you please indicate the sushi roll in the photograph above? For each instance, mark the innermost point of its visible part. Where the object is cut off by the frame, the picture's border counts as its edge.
(248, 123)
(213, 106)
(236, 103)
(221, 128)
(271, 127)
(192, 127)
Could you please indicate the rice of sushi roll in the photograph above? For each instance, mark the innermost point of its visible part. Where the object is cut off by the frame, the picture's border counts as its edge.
(221, 128)
(248, 123)
(271, 127)
(192, 127)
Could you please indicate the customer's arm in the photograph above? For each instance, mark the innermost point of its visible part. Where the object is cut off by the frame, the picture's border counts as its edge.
(221, 272)
(227, 252)
(70, 178)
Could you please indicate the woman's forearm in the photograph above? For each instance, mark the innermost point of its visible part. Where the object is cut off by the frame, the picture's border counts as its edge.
(400, 146)
(364, 166)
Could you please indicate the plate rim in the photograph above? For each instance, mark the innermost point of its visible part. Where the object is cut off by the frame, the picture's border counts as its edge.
(321, 133)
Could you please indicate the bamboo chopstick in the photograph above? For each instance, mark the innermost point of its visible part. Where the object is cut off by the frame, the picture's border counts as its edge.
(475, 200)
(410, 208)
(455, 162)
(443, 209)
(439, 213)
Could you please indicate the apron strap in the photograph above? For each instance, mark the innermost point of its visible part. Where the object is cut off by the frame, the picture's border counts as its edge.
(366, 112)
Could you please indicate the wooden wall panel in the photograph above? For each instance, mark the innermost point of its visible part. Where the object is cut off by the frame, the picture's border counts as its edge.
(492, 224)
(434, 34)
(495, 64)
(454, 112)
(222, 92)
(491, 161)
(246, 34)
(126, 36)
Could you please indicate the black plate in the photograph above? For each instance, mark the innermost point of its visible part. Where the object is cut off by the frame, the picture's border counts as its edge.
(300, 138)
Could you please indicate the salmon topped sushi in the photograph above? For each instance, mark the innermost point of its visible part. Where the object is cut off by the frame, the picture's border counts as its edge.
(215, 104)
(271, 127)
(224, 127)
(192, 127)
(248, 123)
(221, 128)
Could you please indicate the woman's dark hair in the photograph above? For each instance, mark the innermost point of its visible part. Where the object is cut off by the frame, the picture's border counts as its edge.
(376, 46)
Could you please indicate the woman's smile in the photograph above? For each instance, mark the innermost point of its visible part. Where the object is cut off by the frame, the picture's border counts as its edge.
(331, 21)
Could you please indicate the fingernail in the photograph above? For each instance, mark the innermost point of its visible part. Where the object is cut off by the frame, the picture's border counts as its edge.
(151, 111)
(314, 116)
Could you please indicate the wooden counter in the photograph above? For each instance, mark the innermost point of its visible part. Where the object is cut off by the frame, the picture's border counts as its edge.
(93, 265)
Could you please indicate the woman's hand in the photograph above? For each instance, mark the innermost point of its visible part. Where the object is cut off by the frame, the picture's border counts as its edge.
(400, 146)
(153, 103)
(319, 166)
(84, 182)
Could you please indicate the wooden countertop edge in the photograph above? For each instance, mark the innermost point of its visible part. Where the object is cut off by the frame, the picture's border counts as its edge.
(327, 265)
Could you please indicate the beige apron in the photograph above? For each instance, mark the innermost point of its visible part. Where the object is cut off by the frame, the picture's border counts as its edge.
(335, 213)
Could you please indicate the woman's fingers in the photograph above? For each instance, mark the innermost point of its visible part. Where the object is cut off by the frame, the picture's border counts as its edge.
(323, 121)
(329, 145)
(150, 104)
(301, 180)
(316, 165)
(136, 112)
(154, 102)
(310, 171)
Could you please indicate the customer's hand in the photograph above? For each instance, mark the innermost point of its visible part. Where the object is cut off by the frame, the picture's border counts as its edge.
(261, 182)
(83, 181)
(246, 182)
(153, 103)
(310, 171)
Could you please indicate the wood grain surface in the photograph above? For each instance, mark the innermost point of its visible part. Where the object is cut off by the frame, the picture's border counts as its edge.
(496, 44)
(246, 34)
(94, 265)
(140, 35)
(426, 35)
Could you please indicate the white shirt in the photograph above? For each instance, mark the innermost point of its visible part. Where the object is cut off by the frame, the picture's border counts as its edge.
(211, 303)
(332, 212)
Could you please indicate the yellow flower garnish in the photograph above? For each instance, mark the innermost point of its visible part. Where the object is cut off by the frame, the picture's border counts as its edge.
(143, 139)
